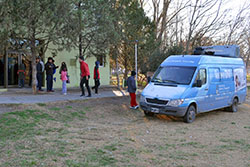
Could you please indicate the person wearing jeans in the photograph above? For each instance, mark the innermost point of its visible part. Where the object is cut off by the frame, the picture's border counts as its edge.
(85, 75)
(64, 79)
(132, 89)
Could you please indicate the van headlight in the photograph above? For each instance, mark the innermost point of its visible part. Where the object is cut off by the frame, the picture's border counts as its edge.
(175, 103)
(142, 98)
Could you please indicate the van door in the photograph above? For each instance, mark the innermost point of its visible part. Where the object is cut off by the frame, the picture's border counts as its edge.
(201, 94)
(226, 88)
(213, 90)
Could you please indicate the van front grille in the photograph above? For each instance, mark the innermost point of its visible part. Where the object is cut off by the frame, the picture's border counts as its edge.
(157, 101)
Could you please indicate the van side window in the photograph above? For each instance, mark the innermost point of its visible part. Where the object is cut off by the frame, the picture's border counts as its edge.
(226, 74)
(214, 74)
(202, 75)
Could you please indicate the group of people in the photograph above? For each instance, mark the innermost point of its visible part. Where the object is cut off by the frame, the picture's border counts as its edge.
(50, 69)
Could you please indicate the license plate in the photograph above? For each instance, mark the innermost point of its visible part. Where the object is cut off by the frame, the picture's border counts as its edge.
(155, 110)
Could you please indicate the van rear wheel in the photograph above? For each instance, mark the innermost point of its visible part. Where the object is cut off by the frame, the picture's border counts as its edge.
(148, 113)
(190, 114)
(234, 106)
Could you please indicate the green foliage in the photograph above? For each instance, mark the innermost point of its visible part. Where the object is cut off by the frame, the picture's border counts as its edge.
(158, 57)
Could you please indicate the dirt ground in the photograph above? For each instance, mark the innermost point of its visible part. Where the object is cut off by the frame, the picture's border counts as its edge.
(105, 132)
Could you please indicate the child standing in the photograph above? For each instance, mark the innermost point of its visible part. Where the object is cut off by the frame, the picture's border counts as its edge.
(96, 77)
(132, 90)
(64, 78)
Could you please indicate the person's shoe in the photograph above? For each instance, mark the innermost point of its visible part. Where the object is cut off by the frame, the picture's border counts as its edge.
(89, 96)
(136, 107)
(82, 95)
(52, 91)
(65, 94)
(132, 107)
(41, 90)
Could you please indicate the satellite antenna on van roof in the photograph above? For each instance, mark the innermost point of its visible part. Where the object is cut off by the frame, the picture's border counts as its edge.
(224, 50)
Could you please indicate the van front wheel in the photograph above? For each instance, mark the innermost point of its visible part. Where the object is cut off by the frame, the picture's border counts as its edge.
(190, 114)
(149, 114)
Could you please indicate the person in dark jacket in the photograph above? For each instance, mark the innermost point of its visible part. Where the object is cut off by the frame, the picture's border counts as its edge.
(96, 77)
(49, 67)
(132, 89)
(39, 74)
(1, 73)
(85, 75)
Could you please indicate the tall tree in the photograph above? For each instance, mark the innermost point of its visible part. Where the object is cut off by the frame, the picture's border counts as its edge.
(37, 21)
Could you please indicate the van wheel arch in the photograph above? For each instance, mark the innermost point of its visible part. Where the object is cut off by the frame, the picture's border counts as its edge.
(195, 105)
(234, 105)
(190, 113)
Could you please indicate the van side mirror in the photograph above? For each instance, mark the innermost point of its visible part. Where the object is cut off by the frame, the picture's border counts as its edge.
(198, 83)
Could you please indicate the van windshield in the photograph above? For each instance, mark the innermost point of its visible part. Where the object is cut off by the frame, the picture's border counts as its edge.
(174, 74)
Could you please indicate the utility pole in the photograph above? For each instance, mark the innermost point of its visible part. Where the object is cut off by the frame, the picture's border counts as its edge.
(80, 27)
(136, 52)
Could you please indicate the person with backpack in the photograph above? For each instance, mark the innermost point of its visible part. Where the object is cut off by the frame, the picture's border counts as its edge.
(85, 75)
(64, 77)
(96, 77)
(132, 89)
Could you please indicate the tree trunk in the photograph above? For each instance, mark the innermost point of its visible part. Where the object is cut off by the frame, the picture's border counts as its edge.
(126, 70)
(117, 67)
(33, 60)
(247, 60)
(80, 28)
(164, 19)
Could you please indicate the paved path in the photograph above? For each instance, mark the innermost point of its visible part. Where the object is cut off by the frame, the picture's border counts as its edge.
(25, 96)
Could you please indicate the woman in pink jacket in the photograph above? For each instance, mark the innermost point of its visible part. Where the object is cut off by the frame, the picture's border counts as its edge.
(64, 78)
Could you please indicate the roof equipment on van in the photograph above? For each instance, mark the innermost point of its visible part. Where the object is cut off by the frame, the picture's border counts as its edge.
(223, 51)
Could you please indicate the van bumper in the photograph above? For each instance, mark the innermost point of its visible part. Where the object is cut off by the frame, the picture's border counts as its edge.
(166, 110)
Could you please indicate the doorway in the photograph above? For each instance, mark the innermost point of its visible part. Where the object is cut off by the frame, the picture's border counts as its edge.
(9, 64)
(2, 70)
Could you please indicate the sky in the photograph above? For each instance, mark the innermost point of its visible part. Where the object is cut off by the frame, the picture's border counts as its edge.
(234, 5)
(232, 8)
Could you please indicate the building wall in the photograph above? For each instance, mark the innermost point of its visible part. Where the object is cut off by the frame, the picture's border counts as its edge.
(74, 68)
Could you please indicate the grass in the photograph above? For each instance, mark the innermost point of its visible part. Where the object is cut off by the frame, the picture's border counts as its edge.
(99, 157)
(180, 155)
(19, 124)
(55, 109)
(231, 145)
(22, 129)
(193, 144)
(41, 104)
(76, 134)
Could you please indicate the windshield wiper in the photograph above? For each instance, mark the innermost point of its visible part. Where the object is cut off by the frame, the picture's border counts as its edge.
(172, 81)
(157, 80)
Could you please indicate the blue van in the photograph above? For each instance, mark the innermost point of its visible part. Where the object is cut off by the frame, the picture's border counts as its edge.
(186, 85)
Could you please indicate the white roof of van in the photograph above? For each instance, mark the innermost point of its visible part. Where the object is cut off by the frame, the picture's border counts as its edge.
(195, 60)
